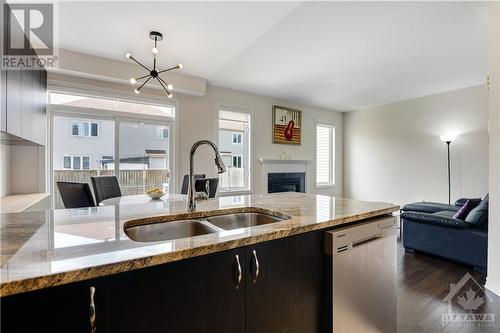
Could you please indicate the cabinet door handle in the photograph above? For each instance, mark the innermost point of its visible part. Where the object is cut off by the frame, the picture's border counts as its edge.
(238, 272)
(92, 310)
(257, 267)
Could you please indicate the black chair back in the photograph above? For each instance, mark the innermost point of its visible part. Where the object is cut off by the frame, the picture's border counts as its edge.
(106, 187)
(76, 195)
(201, 186)
(185, 182)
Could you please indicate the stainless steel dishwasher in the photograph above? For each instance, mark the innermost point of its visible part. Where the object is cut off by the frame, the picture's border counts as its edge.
(363, 273)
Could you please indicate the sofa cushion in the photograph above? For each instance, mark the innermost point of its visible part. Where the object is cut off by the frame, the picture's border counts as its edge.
(466, 208)
(435, 219)
(444, 213)
(478, 217)
(429, 207)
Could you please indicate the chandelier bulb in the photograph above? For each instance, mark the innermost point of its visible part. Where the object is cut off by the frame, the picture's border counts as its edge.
(133, 81)
(180, 66)
(169, 95)
(154, 50)
(128, 55)
(170, 87)
(137, 91)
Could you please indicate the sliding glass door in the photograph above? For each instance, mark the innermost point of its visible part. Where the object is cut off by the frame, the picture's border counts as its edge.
(134, 142)
(144, 151)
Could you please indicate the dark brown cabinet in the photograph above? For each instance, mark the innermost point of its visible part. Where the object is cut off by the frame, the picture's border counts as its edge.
(276, 286)
(25, 104)
(3, 100)
(284, 291)
(59, 309)
(201, 294)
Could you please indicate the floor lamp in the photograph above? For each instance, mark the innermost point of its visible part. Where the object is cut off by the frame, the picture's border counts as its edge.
(448, 138)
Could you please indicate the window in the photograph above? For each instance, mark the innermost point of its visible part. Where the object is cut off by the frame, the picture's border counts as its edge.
(234, 145)
(162, 133)
(85, 128)
(76, 162)
(237, 138)
(237, 161)
(67, 162)
(325, 155)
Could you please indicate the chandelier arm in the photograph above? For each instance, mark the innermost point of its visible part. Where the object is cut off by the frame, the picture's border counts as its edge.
(135, 60)
(164, 88)
(159, 78)
(142, 77)
(142, 85)
(169, 69)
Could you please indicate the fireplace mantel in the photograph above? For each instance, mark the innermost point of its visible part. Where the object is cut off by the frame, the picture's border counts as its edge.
(270, 160)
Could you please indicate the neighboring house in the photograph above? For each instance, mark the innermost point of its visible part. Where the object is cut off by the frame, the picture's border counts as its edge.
(84, 144)
(232, 148)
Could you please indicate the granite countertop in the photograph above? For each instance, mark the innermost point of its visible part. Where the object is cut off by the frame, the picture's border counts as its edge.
(54, 247)
(17, 203)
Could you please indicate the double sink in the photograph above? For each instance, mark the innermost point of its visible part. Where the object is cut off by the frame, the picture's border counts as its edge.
(170, 229)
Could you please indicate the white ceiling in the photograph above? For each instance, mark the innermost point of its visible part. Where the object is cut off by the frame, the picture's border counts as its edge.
(338, 55)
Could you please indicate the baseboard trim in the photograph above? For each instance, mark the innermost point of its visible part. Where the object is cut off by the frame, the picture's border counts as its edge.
(492, 286)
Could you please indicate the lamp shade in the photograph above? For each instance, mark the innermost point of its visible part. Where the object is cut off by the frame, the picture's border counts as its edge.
(448, 137)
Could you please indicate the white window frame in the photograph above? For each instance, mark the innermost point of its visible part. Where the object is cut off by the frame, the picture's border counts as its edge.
(80, 128)
(117, 117)
(250, 166)
(72, 163)
(331, 182)
(237, 135)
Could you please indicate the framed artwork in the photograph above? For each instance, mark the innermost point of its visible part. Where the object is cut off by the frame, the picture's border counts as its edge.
(287, 124)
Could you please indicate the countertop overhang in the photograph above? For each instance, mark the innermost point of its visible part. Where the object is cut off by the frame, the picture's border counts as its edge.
(55, 247)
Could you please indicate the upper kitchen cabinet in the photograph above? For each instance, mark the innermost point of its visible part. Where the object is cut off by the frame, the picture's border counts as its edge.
(25, 104)
(3, 100)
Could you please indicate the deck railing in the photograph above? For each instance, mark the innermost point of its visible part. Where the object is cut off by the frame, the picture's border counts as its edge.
(131, 181)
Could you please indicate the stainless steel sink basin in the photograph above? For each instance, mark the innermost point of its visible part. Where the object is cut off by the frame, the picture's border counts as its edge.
(168, 230)
(242, 220)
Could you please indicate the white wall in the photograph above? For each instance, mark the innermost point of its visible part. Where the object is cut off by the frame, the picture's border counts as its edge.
(493, 279)
(22, 168)
(393, 152)
(197, 119)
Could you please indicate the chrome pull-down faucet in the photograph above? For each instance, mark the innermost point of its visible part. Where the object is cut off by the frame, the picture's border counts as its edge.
(221, 168)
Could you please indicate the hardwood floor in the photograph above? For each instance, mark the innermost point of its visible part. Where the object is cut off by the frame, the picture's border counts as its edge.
(424, 282)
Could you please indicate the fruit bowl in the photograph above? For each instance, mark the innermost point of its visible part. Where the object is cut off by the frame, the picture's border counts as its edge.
(155, 193)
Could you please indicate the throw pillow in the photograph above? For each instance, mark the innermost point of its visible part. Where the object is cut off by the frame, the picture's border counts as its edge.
(479, 215)
(466, 208)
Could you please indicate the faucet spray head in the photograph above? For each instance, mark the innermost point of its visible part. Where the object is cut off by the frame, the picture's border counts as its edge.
(221, 167)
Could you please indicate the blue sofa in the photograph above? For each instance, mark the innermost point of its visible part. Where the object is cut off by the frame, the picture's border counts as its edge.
(429, 227)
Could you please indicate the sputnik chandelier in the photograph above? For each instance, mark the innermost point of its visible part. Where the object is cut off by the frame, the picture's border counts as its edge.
(153, 73)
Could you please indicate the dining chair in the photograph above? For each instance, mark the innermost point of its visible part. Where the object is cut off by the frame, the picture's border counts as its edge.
(200, 185)
(75, 195)
(185, 182)
(105, 187)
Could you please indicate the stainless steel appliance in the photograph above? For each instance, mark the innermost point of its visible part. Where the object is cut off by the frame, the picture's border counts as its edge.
(363, 276)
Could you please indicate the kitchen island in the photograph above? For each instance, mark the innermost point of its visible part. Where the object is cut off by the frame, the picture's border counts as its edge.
(80, 262)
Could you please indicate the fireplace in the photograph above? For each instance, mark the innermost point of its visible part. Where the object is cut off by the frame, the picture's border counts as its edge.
(286, 182)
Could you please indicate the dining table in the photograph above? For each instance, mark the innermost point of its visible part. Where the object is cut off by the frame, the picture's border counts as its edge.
(139, 199)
